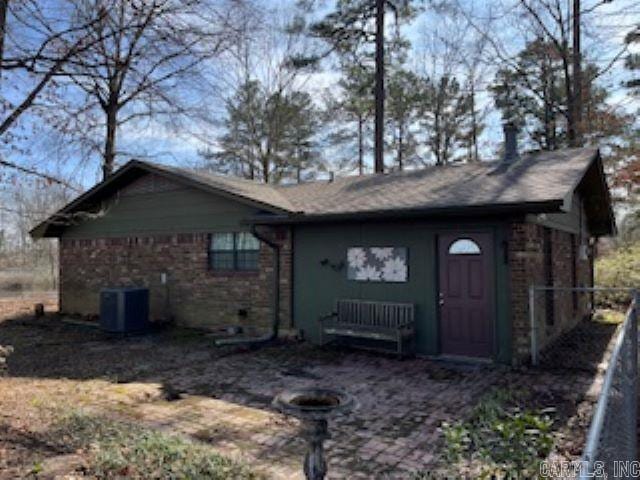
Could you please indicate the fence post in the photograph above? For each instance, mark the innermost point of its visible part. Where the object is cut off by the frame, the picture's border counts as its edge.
(532, 324)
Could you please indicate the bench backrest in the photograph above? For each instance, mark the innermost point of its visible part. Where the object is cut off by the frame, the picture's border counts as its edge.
(374, 314)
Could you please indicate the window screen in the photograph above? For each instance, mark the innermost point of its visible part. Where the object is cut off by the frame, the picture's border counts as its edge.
(247, 251)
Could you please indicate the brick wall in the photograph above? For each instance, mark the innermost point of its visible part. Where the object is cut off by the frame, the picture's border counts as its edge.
(527, 267)
(194, 294)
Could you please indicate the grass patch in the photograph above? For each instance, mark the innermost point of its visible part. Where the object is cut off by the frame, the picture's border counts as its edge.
(608, 316)
(499, 437)
(118, 449)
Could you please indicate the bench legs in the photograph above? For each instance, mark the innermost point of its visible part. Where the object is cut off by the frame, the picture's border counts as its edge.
(402, 337)
(411, 339)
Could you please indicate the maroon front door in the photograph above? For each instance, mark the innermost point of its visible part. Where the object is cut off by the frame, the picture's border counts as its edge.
(466, 294)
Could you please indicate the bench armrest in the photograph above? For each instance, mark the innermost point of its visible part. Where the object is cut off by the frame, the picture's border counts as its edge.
(327, 317)
(407, 324)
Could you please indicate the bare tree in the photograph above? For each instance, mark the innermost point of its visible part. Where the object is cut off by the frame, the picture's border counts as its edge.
(35, 45)
(144, 51)
(561, 25)
(4, 4)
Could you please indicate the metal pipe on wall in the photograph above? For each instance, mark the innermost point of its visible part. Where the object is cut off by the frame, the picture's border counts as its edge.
(275, 322)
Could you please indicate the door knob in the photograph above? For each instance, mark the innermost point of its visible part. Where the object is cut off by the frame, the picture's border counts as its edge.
(441, 299)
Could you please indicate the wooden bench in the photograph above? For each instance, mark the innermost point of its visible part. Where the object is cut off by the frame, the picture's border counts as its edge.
(391, 322)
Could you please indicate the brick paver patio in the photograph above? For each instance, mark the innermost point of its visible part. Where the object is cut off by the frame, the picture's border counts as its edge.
(394, 429)
(223, 396)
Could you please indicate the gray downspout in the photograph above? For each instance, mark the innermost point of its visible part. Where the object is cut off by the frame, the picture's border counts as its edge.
(275, 322)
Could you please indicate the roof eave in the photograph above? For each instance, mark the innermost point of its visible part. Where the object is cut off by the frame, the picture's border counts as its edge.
(546, 206)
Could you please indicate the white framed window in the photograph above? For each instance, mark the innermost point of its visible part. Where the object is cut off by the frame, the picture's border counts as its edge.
(239, 251)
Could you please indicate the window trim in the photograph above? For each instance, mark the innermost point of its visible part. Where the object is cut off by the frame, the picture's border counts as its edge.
(234, 251)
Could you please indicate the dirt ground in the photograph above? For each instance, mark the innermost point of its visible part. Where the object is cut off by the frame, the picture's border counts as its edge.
(180, 382)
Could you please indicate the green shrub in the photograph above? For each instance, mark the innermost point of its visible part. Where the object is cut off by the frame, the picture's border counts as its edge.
(507, 441)
(619, 268)
(123, 450)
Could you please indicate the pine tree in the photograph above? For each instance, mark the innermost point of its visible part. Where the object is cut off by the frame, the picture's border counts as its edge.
(444, 111)
(240, 144)
(300, 145)
(533, 94)
(351, 30)
(403, 103)
(269, 137)
(533, 91)
(350, 111)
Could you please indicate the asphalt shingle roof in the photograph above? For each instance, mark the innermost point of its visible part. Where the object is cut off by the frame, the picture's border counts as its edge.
(257, 192)
(537, 177)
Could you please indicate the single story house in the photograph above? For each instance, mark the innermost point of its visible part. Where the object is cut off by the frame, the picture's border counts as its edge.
(461, 242)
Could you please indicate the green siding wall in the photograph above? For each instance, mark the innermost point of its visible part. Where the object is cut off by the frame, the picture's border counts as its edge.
(316, 287)
(177, 210)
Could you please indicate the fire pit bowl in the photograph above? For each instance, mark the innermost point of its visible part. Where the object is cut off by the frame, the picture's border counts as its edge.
(314, 406)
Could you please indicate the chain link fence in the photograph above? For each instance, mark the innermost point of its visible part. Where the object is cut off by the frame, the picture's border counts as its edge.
(611, 445)
(587, 329)
(573, 328)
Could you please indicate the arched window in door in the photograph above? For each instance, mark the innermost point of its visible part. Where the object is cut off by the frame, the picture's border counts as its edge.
(464, 246)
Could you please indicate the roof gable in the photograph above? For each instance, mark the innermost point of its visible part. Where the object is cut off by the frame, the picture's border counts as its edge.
(128, 179)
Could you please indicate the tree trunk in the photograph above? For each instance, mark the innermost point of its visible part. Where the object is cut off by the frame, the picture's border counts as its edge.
(438, 137)
(266, 160)
(110, 141)
(474, 124)
(547, 92)
(379, 89)
(400, 146)
(577, 75)
(3, 22)
(360, 146)
(298, 164)
(570, 95)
